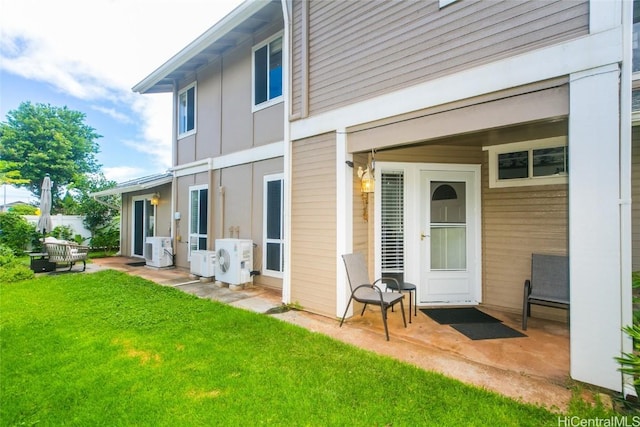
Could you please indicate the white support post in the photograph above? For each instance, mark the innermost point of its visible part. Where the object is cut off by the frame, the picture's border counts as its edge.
(344, 218)
(594, 226)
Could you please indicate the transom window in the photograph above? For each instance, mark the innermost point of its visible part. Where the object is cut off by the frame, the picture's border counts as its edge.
(267, 72)
(537, 162)
(187, 111)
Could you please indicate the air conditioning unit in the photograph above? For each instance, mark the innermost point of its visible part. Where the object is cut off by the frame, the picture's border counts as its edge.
(203, 263)
(234, 261)
(159, 252)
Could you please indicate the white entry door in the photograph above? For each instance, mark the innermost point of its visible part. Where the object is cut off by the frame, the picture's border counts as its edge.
(143, 224)
(449, 237)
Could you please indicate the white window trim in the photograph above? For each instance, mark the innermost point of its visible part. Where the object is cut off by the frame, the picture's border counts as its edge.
(191, 189)
(495, 150)
(273, 101)
(195, 110)
(265, 271)
(145, 198)
(444, 3)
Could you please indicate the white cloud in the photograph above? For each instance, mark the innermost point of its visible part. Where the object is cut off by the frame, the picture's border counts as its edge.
(121, 117)
(97, 50)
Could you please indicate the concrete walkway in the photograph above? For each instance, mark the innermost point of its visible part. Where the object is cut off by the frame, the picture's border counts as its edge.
(532, 369)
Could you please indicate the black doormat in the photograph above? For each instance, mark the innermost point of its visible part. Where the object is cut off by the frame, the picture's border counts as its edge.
(487, 331)
(137, 263)
(449, 316)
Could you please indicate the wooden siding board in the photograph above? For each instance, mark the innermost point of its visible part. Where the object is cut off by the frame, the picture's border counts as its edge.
(343, 37)
(313, 224)
(517, 222)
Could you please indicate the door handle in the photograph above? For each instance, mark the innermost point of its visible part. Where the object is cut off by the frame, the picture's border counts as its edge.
(422, 236)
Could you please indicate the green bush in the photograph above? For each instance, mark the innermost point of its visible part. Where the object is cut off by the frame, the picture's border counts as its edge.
(23, 209)
(6, 255)
(15, 232)
(108, 239)
(12, 270)
(62, 232)
(630, 362)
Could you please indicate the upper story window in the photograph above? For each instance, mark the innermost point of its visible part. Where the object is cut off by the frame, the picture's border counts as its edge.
(267, 72)
(187, 111)
(538, 162)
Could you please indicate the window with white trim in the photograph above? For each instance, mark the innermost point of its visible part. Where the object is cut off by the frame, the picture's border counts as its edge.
(392, 223)
(537, 162)
(187, 111)
(273, 225)
(267, 72)
(198, 217)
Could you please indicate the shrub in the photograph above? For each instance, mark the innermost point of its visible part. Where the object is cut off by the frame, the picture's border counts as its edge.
(12, 270)
(24, 209)
(107, 239)
(15, 232)
(6, 255)
(63, 232)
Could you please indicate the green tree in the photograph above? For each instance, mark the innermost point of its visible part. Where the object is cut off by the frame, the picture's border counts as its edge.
(15, 232)
(39, 138)
(97, 215)
(24, 209)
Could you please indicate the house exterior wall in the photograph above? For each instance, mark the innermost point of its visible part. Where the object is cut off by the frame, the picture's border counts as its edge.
(221, 153)
(359, 49)
(635, 197)
(313, 224)
(163, 212)
(341, 83)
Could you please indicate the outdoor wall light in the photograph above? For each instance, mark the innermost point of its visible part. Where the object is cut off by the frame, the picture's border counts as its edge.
(155, 199)
(367, 185)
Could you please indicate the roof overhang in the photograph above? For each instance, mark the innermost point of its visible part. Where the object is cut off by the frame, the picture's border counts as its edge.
(228, 32)
(137, 184)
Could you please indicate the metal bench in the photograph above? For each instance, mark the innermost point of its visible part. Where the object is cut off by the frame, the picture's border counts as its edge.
(67, 253)
(549, 284)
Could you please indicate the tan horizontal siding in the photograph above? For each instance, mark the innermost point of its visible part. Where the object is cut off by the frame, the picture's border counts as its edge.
(517, 222)
(433, 154)
(313, 224)
(296, 52)
(635, 196)
(361, 48)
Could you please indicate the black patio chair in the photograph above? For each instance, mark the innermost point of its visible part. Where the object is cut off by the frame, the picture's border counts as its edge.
(366, 292)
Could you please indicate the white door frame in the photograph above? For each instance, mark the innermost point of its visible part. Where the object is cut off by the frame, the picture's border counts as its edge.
(142, 198)
(412, 214)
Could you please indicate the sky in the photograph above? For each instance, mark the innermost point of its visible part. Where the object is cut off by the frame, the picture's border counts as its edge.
(87, 55)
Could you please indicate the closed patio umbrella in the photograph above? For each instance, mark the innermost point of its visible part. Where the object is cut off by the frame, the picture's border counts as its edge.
(44, 222)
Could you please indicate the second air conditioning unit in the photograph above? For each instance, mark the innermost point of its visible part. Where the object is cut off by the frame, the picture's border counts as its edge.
(159, 252)
(203, 263)
(234, 261)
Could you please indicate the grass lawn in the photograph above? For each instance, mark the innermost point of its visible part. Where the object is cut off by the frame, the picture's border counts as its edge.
(111, 349)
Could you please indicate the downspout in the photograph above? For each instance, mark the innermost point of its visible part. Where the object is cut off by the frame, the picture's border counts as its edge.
(286, 47)
(174, 161)
(625, 186)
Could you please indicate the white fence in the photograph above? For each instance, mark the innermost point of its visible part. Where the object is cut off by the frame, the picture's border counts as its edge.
(72, 221)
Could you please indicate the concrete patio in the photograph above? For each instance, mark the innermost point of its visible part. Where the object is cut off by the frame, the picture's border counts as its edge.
(533, 369)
